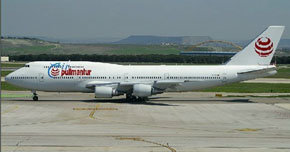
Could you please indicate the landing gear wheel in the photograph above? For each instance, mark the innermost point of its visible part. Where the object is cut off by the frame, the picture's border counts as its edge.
(143, 99)
(134, 98)
(35, 98)
(130, 97)
(146, 99)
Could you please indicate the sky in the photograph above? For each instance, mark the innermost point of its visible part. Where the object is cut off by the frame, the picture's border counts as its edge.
(220, 19)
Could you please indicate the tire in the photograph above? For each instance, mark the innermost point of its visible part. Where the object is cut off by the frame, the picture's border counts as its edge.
(131, 98)
(35, 98)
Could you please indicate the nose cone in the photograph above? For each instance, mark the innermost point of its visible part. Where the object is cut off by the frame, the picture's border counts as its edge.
(8, 78)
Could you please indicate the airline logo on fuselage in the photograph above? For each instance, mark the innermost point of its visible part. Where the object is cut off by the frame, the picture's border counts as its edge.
(63, 69)
(264, 46)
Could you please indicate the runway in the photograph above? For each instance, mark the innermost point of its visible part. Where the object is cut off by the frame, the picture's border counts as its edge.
(168, 122)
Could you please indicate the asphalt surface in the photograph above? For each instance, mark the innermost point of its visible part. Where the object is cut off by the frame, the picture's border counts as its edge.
(168, 122)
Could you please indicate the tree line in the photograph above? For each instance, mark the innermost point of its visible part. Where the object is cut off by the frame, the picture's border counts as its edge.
(135, 58)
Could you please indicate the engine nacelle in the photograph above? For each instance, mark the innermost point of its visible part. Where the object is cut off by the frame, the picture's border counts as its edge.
(105, 92)
(142, 90)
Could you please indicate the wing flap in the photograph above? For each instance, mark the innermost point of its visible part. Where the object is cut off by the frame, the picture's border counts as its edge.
(161, 85)
(93, 84)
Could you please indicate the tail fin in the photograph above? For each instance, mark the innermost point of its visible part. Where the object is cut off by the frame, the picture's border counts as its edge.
(261, 50)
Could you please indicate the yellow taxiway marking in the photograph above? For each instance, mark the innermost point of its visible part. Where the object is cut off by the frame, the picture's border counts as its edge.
(95, 109)
(91, 115)
(147, 141)
(93, 112)
(248, 129)
(9, 110)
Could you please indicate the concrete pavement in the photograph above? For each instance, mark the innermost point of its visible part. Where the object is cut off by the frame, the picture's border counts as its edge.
(169, 122)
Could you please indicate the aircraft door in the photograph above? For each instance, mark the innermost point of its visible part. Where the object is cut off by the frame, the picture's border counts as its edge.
(166, 76)
(80, 78)
(126, 77)
(41, 77)
(224, 77)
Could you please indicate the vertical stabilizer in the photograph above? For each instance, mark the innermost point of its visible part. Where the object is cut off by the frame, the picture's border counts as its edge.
(261, 50)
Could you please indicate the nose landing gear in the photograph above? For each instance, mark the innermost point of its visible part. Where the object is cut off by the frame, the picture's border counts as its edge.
(35, 97)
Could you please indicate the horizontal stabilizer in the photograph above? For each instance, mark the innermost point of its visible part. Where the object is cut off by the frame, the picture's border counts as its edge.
(260, 71)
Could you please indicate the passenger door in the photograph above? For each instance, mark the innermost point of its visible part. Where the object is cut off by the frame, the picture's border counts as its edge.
(41, 77)
(126, 77)
(166, 76)
(224, 77)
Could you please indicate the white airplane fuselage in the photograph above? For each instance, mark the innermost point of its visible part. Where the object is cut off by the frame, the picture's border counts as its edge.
(75, 76)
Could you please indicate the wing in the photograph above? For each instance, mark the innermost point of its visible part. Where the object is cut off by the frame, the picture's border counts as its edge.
(161, 85)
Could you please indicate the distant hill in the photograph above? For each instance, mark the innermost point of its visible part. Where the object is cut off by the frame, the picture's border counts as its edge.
(149, 40)
(26, 46)
(95, 40)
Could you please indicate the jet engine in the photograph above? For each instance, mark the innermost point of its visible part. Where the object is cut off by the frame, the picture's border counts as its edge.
(142, 90)
(105, 92)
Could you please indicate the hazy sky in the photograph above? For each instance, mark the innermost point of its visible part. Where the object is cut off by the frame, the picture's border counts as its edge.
(221, 19)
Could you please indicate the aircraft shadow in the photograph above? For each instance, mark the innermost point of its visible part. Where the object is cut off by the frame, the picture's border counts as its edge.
(121, 101)
(124, 101)
(154, 101)
(209, 100)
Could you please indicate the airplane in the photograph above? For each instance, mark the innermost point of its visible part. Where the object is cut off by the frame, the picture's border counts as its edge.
(138, 82)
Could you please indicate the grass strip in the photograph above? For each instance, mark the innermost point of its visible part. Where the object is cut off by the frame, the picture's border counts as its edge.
(15, 95)
(5, 73)
(251, 88)
(12, 65)
(278, 96)
(9, 87)
(282, 73)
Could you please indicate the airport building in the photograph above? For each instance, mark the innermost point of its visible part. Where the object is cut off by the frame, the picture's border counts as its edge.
(4, 58)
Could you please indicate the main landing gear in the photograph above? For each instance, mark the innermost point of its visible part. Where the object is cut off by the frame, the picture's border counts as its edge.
(35, 97)
(131, 98)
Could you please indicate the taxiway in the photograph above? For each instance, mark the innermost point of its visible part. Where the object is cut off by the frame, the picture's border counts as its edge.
(169, 122)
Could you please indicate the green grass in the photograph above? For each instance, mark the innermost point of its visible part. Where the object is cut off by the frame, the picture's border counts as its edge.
(29, 50)
(12, 65)
(282, 73)
(4, 73)
(152, 63)
(279, 96)
(15, 95)
(9, 87)
(251, 88)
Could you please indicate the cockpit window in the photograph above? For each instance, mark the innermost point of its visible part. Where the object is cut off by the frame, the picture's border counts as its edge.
(26, 65)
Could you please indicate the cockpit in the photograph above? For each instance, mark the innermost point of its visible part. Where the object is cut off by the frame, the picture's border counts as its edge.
(22, 77)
